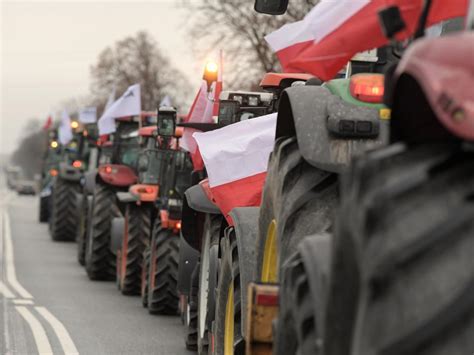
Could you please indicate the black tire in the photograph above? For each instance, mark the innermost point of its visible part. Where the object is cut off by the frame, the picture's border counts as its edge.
(192, 326)
(163, 275)
(229, 275)
(44, 205)
(208, 269)
(404, 246)
(82, 230)
(100, 260)
(135, 240)
(299, 197)
(65, 210)
(144, 281)
(303, 295)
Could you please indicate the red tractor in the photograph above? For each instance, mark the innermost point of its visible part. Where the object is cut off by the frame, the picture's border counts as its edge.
(116, 173)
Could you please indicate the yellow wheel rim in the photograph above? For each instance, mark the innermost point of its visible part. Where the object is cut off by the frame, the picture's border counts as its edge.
(229, 322)
(270, 256)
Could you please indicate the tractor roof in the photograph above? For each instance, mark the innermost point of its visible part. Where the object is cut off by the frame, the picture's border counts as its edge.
(277, 79)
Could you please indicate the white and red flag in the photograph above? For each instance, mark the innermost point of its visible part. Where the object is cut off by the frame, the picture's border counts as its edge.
(236, 160)
(334, 31)
(65, 129)
(129, 104)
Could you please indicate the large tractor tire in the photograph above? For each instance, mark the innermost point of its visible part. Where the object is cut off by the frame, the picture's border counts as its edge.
(402, 271)
(192, 321)
(100, 260)
(208, 266)
(163, 295)
(303, 295)
(145, 276)
(298, 200)
(44, 209)
(228, 337)
(134, 242)
(82, 229)
(65, 210)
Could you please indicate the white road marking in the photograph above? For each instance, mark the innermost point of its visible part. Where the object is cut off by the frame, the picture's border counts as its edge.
(23, 302)
(61, 332)
(9, 259)
(41, 339)
(5, 291)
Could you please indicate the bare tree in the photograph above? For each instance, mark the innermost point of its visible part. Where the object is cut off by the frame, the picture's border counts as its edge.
(137, 59)
(234, 27)
(30, 150)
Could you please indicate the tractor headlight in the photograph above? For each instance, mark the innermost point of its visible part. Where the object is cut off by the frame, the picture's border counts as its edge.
(238, 98)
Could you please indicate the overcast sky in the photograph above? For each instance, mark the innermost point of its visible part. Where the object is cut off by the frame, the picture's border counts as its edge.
(46, 49)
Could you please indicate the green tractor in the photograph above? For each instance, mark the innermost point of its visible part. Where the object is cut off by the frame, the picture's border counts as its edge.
(49, 171)
(67, 184)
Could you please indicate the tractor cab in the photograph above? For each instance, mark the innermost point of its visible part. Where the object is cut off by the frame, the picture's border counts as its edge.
(236, 106)
(175, 170)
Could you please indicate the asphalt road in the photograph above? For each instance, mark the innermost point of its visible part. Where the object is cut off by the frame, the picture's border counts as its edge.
(48, 305)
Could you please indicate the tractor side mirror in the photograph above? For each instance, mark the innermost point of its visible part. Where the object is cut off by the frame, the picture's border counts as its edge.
(166, 121)
(271, 7)
(228, 110)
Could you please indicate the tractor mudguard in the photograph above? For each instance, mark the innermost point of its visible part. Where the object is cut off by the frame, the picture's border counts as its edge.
(89, 180)
(69, 173)
(126, 197)
(329, 131)
(246, 227)
(198, 200)
(116, 233)
(188, 258)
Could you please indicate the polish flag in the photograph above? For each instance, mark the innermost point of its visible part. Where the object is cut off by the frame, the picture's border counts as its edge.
(236, 160)
(334, 31)
(203, 110)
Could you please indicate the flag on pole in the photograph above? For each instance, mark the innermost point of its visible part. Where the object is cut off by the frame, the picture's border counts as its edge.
(88, 115)
(65, 130)
(166, 102)
(49, 122)
(334, 31)
(236, 160)
(129, 104)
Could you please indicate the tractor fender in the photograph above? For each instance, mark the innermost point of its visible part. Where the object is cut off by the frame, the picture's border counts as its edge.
(246, 228)
(116, 233)
(195, 206)
(188, 259)
(69, 173)
(199, 201)
(329, 131)
(89, 181)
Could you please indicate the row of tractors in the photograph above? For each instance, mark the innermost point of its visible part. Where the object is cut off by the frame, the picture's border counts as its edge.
(361, 243)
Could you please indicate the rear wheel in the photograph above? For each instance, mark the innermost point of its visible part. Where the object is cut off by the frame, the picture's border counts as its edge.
(144, 280)
(163, 275)
(192, 334)
(65, 210)
(100, 261)
(208, 280)
(303, 294)
(82, 230)
(134, 242)
(298, 200)
(44, 204)
(404, 246)
(228, 331)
